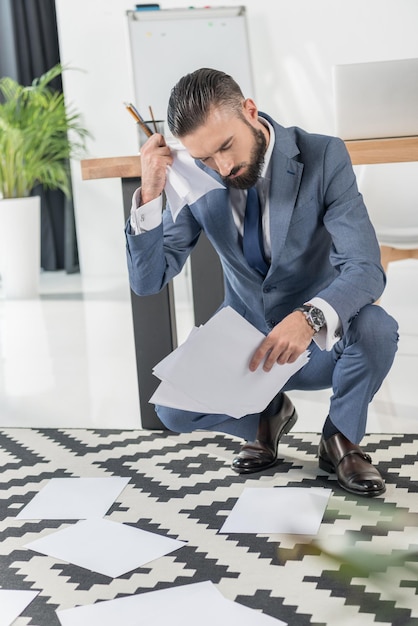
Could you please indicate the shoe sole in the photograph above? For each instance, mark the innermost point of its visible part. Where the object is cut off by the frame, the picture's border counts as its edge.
(286, 428)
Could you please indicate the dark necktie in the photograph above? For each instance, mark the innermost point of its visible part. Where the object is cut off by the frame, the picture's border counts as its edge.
(252, 241)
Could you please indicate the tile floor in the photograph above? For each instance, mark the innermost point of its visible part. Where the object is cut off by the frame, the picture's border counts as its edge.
(67, 359)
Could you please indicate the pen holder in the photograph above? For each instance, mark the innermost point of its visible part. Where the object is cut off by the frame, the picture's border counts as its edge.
(157, 126)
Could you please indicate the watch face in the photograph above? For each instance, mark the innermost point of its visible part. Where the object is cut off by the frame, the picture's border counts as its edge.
(317, 317)
(314, 316)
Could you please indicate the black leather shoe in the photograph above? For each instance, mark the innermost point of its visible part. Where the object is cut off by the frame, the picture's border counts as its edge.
(354, 469)
(262, 453)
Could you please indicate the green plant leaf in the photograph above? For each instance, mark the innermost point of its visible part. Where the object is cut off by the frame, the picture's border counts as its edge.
(38, 136)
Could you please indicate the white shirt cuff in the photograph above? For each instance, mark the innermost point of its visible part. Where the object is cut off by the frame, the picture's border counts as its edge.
(329, 334)
(147, 216)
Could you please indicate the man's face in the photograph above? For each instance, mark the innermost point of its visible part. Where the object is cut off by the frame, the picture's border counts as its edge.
(231, 144)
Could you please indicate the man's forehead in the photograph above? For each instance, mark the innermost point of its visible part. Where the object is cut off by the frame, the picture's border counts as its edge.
(204, 150)
(211, 136)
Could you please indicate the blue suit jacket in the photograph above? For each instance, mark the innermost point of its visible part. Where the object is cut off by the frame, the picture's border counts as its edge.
(322, 241)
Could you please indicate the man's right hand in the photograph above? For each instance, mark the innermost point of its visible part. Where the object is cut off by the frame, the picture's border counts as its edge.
(285, 343)
(155, 156)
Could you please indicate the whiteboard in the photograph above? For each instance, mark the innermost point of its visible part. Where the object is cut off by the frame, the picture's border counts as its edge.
(169, 43)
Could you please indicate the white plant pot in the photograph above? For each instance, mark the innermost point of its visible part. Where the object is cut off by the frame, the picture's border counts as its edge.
(20, 247)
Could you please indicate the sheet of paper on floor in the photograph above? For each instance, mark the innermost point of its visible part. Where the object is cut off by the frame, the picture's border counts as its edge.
(104, 546)
(289, 510)
(12, 603)
(74, 498)
(188, 605)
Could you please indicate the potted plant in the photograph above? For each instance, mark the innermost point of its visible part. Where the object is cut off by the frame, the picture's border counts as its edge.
(38, 135)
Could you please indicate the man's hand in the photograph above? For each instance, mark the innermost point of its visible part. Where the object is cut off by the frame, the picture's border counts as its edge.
(155, 156)
(288, 340)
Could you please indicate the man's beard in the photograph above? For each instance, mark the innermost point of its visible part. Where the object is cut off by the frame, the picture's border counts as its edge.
(249, 177)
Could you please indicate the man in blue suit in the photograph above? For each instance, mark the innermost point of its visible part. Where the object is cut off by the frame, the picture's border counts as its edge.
(313, 282)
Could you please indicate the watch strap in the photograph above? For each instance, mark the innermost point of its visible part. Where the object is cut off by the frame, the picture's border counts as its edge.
(313, 316)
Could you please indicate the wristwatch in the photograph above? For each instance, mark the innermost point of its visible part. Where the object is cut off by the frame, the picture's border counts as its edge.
(313, 315)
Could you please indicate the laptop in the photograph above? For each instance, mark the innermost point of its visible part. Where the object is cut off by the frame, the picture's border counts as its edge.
(376, 99)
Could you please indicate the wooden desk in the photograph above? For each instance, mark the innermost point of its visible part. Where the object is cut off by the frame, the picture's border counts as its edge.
(388, 150)
(362, 151)
(154, 316)
(111, 167)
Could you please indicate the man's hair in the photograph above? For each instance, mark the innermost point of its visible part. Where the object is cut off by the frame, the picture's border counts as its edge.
(195, 94)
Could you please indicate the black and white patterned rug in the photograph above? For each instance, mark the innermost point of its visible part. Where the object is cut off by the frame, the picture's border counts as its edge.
(361, 568)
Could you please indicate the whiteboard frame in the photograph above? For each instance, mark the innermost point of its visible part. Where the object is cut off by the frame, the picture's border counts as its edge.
(165, 44)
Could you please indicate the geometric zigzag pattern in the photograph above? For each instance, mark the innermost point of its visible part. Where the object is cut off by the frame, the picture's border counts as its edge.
(361, 567)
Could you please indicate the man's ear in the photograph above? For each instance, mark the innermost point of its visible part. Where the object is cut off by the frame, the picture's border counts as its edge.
(250, 110)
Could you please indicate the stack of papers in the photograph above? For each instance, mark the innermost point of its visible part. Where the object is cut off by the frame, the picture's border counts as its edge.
(209, 373)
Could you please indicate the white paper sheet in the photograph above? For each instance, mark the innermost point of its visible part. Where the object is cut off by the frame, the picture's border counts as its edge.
(104, 546)
(74, 498)
(290, 510)
(12, 603)
(167, 394)
(186, 182)
(211, 368)
(198, 604)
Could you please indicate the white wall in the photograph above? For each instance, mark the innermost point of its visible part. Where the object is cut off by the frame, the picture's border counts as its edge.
(293, 45)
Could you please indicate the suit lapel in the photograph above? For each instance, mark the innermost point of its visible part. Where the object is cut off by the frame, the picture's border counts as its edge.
(284, 189)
